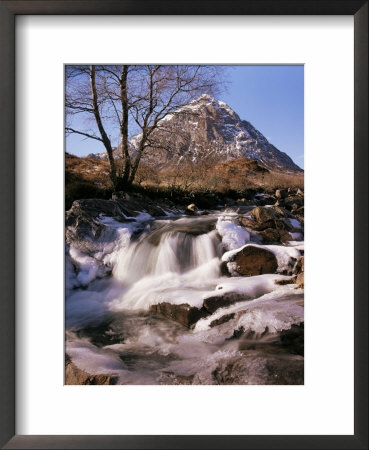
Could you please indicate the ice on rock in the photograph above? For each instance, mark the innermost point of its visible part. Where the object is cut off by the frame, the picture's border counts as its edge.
(282, 253)
(233, 236)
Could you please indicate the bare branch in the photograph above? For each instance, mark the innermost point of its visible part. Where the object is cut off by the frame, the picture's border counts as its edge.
(71, 130)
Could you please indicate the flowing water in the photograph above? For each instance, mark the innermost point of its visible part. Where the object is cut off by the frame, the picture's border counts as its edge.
(110, 288)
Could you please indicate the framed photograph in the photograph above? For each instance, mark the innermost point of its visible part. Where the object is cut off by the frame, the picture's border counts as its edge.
(155, 163)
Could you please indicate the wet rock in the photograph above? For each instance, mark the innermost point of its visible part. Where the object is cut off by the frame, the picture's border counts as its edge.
(264, 199)
(299, 272)
(285, 372)
(224, 269)
(266, 220)
(249, 223)
(184, 314)
(293, 202)
(237, 333)
(191, 209)
(170, 378)
(281, 193)
(284, 282)
(253, 260)
(82, 219)
(221, 320)
(293, 339)
(300, 280)
(299, 213)
(274, 217)
(211, 304)
(299, 266)
(260, 368)
(282, 212)
(273, 235)
(270, 235)
(76, 376)
(300, 192)
(264, 216)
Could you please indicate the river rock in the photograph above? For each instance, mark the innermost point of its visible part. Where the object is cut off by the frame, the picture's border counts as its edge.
(191, 209)
(258, 368)
(247, 222)
(82, 220)
(251, 260)
(299, 213)
(76, 376)
(273, 235)
(282, 212)
(265, 216)
(300, 192)
(299, 272)
(215, 302)
(221, 320)
(292, 339)
(184, 314)
(293, 202)
(271, 217)
(280, 193)
(264, 199)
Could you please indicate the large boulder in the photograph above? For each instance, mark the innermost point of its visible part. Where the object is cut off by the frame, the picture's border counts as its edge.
(184, 314)
(252, 260)
(270, 218)
(265, 217)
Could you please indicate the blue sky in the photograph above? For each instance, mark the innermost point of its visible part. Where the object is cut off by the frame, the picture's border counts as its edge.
(270, 97)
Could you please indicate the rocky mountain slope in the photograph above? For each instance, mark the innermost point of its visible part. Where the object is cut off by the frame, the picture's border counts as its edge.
(209, 131)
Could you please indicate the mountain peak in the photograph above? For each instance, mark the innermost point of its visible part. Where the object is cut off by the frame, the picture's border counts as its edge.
(207, 130)
(206, 100)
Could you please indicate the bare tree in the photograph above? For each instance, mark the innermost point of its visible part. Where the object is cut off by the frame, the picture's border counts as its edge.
(131, 99)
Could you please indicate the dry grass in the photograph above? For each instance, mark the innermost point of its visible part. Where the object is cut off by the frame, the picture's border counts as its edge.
(238, 175)
(86, 178)
(89, 177)
(89, 170)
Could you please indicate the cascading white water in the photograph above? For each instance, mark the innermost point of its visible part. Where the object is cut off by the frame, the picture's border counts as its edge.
(177, 252)
(173, 259)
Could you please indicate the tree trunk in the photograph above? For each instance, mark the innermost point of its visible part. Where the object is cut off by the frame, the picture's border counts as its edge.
(104, 136)
(124, 126)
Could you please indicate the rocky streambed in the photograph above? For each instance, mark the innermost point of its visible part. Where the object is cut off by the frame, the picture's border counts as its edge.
(162, 294)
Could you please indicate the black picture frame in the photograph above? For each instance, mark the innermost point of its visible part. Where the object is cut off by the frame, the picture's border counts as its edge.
(8, 12)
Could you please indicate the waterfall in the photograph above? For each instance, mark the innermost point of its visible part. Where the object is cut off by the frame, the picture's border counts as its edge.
(175, 258)
(165, 250)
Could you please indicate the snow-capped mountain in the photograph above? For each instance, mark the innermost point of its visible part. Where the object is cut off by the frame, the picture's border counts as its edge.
(208, 130)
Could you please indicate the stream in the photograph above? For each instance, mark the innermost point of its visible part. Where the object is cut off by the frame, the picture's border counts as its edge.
(113, 283)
